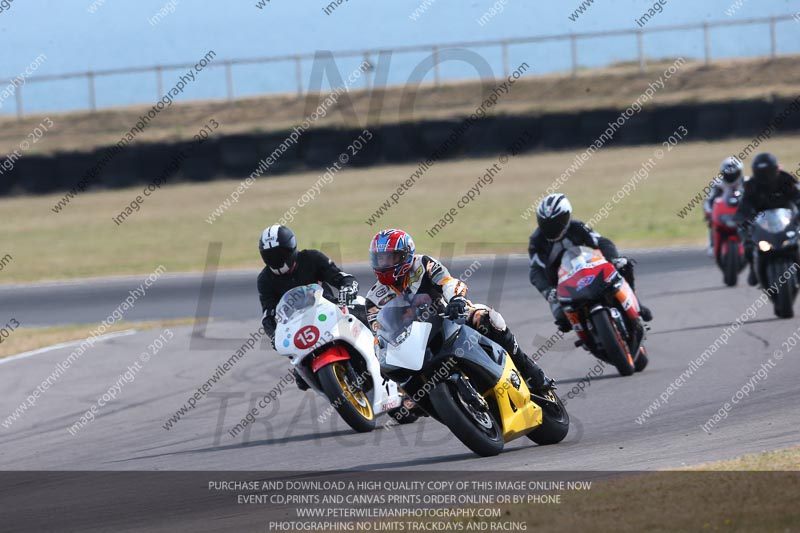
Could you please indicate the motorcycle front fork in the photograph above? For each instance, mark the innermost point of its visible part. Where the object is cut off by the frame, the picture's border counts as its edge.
(577, 327)
(574, 319)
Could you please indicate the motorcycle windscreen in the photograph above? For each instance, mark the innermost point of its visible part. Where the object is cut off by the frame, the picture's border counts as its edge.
(410, 352)
(297, 300)
(726, 219)
(577, 258)
(775, 220)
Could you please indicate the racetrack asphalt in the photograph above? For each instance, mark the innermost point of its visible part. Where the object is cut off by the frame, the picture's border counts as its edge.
(683, 289)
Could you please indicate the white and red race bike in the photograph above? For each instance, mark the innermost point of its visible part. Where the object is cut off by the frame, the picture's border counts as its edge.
(334, 352)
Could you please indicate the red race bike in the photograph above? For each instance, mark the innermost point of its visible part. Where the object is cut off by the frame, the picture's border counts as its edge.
(602, 309)
(728, 247)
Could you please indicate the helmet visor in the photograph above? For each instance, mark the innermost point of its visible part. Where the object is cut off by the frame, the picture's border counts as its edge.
(730, 177)
(386, 261)
(765, 167)
(553, 228)
(768, 173)
(279, 256)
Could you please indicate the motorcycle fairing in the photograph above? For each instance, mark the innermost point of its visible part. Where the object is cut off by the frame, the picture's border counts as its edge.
(410, 353)
(306, 305)
(331, 355)
(518, 413)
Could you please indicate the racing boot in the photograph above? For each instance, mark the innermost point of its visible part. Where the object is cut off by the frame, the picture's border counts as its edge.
(533, 374)
(625, 268)
(538, 382)
(301, 383)
(563, 324)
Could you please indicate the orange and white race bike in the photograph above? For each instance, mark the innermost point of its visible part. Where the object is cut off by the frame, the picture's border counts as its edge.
(602, 309)
(334, 352)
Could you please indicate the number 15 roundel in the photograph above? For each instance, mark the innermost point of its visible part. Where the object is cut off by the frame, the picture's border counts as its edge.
(306, 337)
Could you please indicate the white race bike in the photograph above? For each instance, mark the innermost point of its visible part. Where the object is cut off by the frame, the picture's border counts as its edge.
(334, 352)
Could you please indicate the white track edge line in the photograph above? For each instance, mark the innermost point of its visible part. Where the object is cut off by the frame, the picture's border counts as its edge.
(46, 349)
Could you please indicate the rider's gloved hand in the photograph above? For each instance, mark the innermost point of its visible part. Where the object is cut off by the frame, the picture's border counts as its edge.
(552, 296)
(348, 294)
(620, 262)
(457, 306)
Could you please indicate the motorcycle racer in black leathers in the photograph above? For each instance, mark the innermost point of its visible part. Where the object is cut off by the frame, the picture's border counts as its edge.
(287, 268)
(556, 232)
(770, 187)
(400, 271)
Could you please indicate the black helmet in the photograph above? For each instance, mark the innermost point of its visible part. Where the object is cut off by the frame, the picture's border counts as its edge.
(731, 169)
(278, 247)
(765, 167)
(553, 216)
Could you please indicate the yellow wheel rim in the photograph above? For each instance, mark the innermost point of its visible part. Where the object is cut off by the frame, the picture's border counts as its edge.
(355, 396)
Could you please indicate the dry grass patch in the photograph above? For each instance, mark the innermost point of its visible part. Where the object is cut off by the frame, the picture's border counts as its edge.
(171, 228)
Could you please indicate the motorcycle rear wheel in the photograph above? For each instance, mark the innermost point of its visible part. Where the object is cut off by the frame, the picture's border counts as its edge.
(555, 421)
(479, 431)
(613, 343)
(349, 400)
(784, 299)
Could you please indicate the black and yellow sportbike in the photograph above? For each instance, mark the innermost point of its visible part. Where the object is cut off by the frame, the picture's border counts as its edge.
(463, 379)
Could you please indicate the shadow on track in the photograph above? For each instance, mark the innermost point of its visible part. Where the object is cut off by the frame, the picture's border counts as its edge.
(593, 378)
(265, 442)
(687, 291)
(710, 326)
(574, 437)
(435, 460)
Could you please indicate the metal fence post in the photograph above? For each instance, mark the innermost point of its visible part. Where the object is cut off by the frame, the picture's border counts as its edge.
(18, 97)
(506, 67)
(229, 80)
(573, 44)
(159, 82)
(92, 99)
(773, 40)
(436, 75)
(368, 73)
(298, 73)
(435, 49)
(640, 46)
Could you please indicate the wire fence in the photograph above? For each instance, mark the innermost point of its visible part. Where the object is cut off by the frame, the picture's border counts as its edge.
(503, 47)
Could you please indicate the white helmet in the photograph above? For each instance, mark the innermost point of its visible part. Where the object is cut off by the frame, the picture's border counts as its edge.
(731, 169)
(554, 214)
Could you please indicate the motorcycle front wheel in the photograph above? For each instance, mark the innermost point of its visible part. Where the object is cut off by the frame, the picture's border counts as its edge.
(477, 429)
(784, 299)
(349, 399)
(731, 264)
(613, 343)
(641, 361)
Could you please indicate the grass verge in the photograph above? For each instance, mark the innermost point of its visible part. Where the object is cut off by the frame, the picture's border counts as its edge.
(776, 460)
(757, 492)
(171, 228)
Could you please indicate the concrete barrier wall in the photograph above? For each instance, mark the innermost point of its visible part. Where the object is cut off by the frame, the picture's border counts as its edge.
(236, 156)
